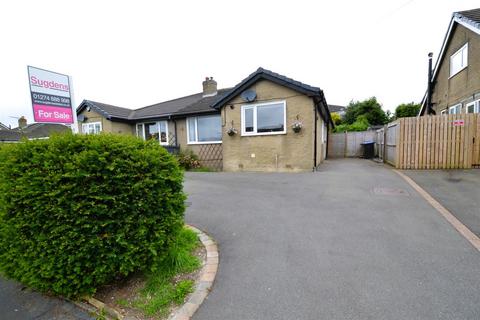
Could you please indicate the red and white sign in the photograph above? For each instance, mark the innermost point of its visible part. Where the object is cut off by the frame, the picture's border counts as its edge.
(458, 123)
(51, 97)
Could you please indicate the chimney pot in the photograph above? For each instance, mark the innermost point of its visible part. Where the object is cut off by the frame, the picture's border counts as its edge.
(22, 122)
(209, 87)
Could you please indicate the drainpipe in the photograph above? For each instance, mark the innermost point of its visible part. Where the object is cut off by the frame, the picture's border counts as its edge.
(429, 86)
(315, 137)
(175, 131)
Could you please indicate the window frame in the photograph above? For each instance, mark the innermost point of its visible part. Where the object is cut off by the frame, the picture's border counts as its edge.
(476, 106)
(464, 64)
(255, 127)
(159, 132)
(455, 106)
(84, 125)
(196, 130)
(444, 111)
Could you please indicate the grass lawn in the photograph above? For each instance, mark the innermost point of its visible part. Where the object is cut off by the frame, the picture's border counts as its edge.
(155, 293)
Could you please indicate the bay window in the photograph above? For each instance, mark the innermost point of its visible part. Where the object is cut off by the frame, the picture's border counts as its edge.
(153, 131)
(204, 129)
(264, 119)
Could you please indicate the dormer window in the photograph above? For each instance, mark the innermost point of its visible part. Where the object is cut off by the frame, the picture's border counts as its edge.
(459, 60)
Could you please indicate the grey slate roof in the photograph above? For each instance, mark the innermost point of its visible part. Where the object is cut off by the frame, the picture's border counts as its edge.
(3, 127)
(262, 73)
(107, 110)
(9, 136)
(335, 108)
(192, 104)
(32, 131)
(274, 77)
(471, 17)
(196, 103)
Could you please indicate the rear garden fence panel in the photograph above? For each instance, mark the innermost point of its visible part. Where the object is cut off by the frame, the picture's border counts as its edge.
(348, 144)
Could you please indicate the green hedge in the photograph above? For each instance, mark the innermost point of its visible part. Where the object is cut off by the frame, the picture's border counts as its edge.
(77, 211)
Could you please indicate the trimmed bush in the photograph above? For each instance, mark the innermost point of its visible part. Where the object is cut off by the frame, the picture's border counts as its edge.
(188, 160)
(77, 211)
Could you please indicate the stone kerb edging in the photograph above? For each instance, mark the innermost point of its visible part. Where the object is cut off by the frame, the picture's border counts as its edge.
(202, 286)
(207, 277)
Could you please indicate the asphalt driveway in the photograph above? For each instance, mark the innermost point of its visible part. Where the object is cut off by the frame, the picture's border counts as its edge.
(19, 303)
(353, 241)
(456, 190)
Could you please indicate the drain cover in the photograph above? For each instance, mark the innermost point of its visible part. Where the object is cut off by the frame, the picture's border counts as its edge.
(390, 191)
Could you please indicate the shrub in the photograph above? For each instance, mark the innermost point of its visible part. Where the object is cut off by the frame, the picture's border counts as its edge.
(336, 118)
(407, 110)
(76, 211)
(361, 124)
(188, 160)
(371, 108)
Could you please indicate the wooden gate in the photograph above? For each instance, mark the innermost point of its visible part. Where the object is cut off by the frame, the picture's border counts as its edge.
(438, 142)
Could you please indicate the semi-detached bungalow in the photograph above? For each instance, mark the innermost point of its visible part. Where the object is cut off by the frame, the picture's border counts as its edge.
(267, 122)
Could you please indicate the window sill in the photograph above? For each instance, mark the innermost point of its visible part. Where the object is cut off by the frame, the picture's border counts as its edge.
(453, 75)
(245, 134)
(204, 142)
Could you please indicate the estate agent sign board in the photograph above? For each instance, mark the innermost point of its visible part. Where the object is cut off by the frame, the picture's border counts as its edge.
(51, 97)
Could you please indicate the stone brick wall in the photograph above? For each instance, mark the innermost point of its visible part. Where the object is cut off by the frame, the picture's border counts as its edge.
(289, 152)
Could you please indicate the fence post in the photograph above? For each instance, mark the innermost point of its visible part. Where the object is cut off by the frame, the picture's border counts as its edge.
(346, 146)
(384, 155)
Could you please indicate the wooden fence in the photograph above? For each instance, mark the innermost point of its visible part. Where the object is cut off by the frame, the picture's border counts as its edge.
(348, 144)
(435, 142)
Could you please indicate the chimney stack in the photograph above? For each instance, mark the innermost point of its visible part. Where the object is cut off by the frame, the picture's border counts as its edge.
(22, 122)
(209, 87)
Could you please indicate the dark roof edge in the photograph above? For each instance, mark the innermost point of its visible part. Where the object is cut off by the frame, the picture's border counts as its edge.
(267, 75)
(92, 104)
(261, 73)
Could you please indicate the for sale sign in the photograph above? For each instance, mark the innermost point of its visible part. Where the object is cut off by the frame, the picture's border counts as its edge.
(51, 98)
(458, 123)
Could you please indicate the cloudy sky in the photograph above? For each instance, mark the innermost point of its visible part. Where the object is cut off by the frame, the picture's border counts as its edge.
(136, 53)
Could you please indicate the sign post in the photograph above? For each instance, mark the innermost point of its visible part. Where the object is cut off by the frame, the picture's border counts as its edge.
(51, 97)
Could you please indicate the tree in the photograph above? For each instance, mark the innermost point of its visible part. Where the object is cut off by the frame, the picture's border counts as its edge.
(371, 108)
(361, 124)
(336, 118)
(407, 110)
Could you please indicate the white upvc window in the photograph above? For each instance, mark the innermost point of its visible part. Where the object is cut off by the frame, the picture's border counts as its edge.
(264, 118)
(92, 127)
(456, 109)
(473, 107)
(157, 130)
(459, 60)
(204, 129)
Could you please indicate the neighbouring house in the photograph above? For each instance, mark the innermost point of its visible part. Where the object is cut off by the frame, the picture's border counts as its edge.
(31, 131)
(267, 122)
(341, 110)
(3, 127)
(455, 84)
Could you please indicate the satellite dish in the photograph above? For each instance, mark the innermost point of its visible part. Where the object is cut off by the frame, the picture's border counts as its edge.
(249, 95)
(81, 118)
